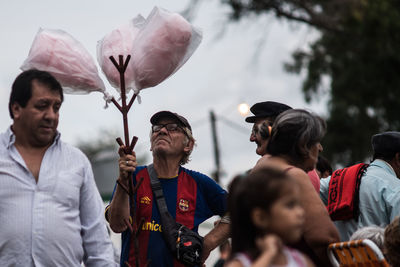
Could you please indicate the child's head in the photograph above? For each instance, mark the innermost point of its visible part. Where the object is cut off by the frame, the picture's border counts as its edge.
(373, 233)
(266, 201)
(391, 242)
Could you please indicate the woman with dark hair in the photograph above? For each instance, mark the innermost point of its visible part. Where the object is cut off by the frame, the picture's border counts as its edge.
(293, 147)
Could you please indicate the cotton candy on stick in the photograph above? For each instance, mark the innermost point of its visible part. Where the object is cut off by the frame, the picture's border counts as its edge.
(58, 53)
(119, 42)
(161, 47)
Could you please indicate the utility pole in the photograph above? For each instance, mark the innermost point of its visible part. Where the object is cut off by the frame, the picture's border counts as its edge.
(217, 171)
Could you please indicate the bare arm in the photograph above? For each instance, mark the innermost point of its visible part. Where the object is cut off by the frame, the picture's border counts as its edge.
(319, 230)
(119, 206)
(214, 238)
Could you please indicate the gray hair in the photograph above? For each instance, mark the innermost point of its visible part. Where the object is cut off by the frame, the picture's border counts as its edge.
(373, 233)
(189, 137)
(294, 132)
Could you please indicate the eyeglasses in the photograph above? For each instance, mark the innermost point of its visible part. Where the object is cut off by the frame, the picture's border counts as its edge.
(171, 127)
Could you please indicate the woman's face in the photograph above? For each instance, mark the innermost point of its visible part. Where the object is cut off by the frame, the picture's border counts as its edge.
(311, 162)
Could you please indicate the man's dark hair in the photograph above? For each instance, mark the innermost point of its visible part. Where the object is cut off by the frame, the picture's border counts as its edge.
(385, 145)
(323, 165)
(21, 90)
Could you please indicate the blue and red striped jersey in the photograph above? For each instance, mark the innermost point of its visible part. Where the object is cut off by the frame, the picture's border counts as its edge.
(191, 198)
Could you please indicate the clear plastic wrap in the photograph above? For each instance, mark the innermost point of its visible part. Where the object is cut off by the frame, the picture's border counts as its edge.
(162, 46)
(63, 56)
(119, 42)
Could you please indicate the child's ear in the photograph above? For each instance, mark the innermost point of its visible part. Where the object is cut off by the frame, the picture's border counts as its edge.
(259, 218)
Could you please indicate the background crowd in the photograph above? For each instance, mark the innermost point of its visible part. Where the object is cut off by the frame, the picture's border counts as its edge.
(281, 212)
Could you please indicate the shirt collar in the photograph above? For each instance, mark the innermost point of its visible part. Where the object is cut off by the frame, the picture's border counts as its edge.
(11, 137)
(385, 165)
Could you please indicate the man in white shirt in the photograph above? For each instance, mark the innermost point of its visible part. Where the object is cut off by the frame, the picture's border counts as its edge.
(51, 210)
(379, 192)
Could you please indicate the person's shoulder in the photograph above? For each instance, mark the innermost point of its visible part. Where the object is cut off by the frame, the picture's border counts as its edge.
(263, 161)
(5, 138)
(140, 169)
(3, 141)
(196, 174)
(380, 172)
(202, 179)
(296, 172)
(69, 149)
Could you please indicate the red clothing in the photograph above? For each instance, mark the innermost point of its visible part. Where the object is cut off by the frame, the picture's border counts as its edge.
(314, 179)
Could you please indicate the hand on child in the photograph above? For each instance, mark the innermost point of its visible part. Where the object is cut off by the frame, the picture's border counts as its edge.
(269, 244)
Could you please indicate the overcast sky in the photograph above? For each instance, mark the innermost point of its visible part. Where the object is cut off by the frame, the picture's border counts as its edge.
(228, 68)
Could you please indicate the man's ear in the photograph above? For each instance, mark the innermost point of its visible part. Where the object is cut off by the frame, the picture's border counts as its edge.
(189, 146)
(395, 163)
(259, 217)
(16, 110)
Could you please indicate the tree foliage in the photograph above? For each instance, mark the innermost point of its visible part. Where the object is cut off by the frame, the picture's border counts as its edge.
(359, 52)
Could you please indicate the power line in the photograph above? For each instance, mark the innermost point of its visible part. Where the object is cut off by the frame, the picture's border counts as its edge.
(234, 125)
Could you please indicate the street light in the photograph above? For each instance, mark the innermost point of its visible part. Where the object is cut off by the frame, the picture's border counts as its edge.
(243, 109)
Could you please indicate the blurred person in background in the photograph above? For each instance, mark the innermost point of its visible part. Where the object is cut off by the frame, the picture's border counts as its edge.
(224, 253)
(264, 115)
(391, 243)
(324, 168)
(373, 189)
(293, 147)
(271, 222)
(373, 233)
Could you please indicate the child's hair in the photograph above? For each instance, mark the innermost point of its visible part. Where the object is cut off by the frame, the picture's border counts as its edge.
(391, 242)
(258, 189)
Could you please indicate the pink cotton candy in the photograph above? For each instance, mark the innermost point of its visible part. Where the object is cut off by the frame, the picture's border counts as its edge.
(64, 57)
(160, 47)
(119, 42)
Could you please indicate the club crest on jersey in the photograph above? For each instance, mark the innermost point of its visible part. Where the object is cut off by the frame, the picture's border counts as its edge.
(183, 204)
(145, 200)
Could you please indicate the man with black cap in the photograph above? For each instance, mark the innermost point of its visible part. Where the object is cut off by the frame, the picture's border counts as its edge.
(377, 198)
(264, 116)
(191, 197)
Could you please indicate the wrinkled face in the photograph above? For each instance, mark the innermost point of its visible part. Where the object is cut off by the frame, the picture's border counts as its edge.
(38, 120)
(311, 162)
(287, 215)
(256, 137)
(173, 142)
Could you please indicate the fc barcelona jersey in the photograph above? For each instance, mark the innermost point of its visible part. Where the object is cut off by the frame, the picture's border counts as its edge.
(191, 198)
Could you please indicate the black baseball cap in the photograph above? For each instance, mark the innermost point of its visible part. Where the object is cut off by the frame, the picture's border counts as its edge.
(266, 109)
(168, 114)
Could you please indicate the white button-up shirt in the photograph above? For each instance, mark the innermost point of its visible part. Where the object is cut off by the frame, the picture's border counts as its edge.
(57, 221)
(379, 199)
